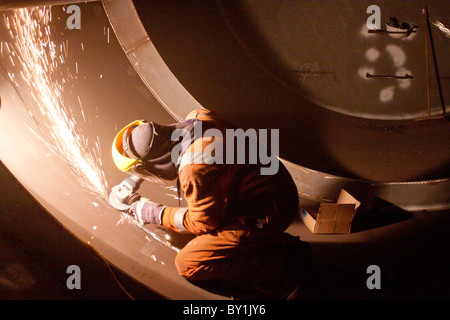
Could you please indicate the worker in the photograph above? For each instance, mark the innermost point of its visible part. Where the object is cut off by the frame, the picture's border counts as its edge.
(238, 215)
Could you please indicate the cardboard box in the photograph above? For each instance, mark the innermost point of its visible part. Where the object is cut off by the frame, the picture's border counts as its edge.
(332, 217)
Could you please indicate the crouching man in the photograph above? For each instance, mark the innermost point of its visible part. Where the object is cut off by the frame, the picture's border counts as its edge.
(238, 214)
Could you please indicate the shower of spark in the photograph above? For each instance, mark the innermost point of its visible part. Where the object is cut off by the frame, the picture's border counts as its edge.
(40, 61)
(442, 27)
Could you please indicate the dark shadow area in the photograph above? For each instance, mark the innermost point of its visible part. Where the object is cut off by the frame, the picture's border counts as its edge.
(378, 214)
(253, 42)
(270, 268)
(36, 251)
(410, 268)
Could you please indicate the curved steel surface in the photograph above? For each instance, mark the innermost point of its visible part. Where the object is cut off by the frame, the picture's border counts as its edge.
(108, 92)
(325, 51)
(146, 60)
(315, 187)
(102, 89)
(10, 4)
(312, 184)
(203, 53)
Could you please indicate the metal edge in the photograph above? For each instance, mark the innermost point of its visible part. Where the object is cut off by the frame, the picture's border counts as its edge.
(312, 185)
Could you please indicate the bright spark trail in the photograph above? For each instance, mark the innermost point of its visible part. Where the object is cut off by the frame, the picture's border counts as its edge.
(40, 61)
(442, 27)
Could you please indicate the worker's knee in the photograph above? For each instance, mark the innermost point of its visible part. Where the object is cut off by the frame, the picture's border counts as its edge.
(188, 266)
(194, 270)
(182, 265)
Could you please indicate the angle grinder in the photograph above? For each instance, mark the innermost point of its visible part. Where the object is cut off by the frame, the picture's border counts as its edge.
(124, 194)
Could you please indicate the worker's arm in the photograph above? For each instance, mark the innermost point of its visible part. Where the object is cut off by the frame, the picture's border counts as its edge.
(206, 190)
(205, 187)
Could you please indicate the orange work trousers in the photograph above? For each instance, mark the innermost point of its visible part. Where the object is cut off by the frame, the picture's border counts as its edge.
(235, 251)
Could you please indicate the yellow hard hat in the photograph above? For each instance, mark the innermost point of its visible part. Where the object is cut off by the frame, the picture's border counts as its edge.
(122, 161)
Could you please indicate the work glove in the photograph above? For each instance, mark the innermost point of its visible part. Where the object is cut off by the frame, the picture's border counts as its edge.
(146, 211)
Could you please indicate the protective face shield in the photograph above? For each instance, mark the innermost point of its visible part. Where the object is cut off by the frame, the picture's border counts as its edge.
(124, 158)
